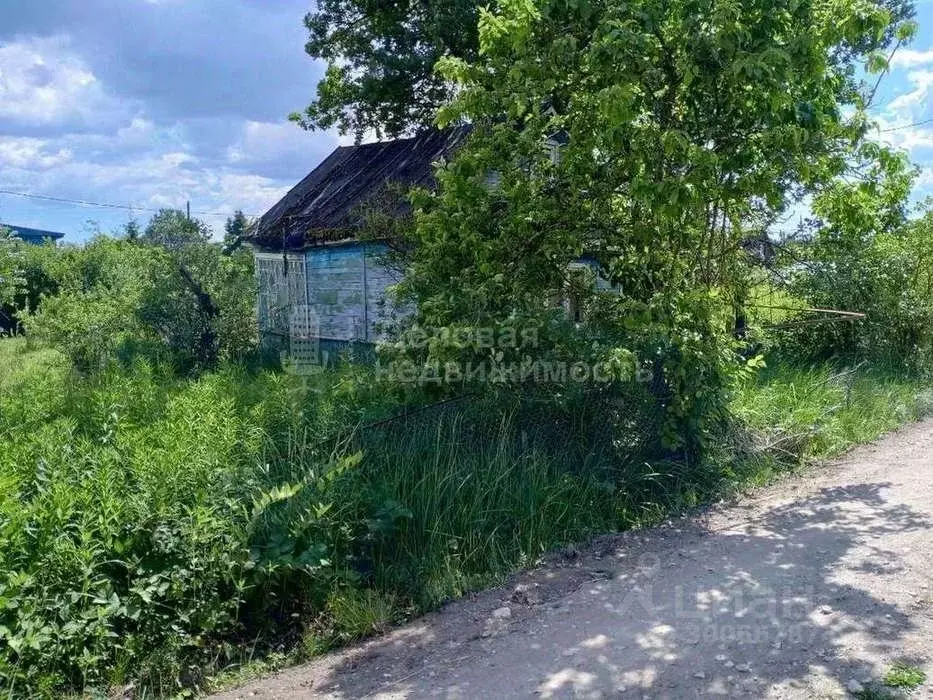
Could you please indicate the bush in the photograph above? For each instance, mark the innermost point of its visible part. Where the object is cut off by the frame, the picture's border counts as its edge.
(158, 529)
(148, 523)
(866, 257)
(145, 520)
(33, 281)
(11, 278)
(115, 299)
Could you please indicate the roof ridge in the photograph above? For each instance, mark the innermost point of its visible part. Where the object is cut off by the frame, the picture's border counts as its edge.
(331, 196)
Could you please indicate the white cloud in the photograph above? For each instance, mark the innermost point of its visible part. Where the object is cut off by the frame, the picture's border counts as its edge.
(68, 129)
(148, 181)
(924, 181)
(910, 58)
(42, 83)
(901, 132)
(262, 140)
(910, 138)
(145, 165)
(278, 147)
(29, 153)
(138, 131)
(251, 193)
(922, 82)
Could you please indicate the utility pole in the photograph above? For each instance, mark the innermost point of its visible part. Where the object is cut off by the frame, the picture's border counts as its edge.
(188, 209)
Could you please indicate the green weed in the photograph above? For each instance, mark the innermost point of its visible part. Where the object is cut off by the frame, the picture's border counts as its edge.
(802, 413)
(905, 676)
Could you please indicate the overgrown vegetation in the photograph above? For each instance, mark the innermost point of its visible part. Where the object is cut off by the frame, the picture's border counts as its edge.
(863, 254)
(154, 527)
(657, 196)
(159, 526)
(169, 294)
(798, 413)
(11, 268)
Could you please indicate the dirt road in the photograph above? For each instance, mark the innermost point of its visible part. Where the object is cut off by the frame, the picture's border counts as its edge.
(808, 589)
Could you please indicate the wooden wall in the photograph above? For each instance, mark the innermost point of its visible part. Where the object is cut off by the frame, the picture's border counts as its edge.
(344, 286)
(336, 291)
(379, 277)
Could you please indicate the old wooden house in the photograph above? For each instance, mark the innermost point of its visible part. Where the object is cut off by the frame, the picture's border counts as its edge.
(320, 276)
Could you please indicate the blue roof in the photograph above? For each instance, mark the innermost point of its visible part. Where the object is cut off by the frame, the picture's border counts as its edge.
(33, 235)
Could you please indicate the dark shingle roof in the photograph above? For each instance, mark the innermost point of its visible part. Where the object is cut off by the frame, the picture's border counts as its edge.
(326, 205)
(32, 235)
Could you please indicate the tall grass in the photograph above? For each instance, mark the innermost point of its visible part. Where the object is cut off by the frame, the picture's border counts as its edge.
(806, 412)
(157, 530)
(469, 508)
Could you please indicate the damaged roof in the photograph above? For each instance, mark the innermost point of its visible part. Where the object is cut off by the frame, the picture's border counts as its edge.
(329, 204)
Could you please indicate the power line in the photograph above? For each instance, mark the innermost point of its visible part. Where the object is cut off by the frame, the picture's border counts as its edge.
(103, 205)
(130, 207)
(906, 126)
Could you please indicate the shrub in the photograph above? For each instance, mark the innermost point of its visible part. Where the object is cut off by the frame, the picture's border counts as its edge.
(866, 257)
(91, 315)
(145, 520)
(32, 282)
(156, 528)
(11, 275)
(113, 299)
(149, 522)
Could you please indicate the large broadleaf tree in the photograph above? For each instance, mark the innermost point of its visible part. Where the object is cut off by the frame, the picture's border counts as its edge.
(677, 129)
(380, 59)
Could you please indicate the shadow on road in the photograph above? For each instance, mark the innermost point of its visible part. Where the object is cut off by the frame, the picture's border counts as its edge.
(801, 593)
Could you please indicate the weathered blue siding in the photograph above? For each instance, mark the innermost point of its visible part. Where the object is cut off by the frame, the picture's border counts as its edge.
(347, 289)
(336, 291)
(340, 290)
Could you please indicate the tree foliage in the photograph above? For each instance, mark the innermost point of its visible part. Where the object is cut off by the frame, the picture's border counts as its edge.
(23, 279)
(380, 57)
(865, 255)
(684, 127)
(235, 228)
(380, 62)
(10, 269)
(169, 293)
(174, 230)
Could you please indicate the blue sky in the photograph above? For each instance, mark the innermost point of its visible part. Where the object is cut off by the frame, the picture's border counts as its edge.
(152, 103)
(906, 97)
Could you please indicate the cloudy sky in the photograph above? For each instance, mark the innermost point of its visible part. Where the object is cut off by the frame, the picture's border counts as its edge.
(152, 103)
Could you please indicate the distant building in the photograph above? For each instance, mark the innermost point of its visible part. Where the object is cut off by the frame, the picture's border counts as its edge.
(33, 235)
